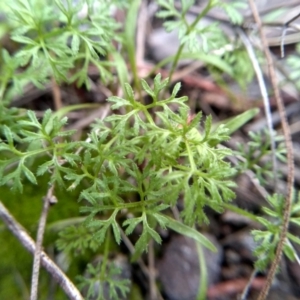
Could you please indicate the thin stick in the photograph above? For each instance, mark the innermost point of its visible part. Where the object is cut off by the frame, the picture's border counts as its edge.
(56, 95)
(141, 263)
(39, 242)
(151, 267)
(264, 93)
(141, 33)
(19, 231)
(290, 155)
(248, 286)
(130, 247)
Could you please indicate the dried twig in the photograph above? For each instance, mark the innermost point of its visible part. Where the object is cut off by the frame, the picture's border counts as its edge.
(141, 33)
(248, 285)
(56, 94)
(141, 263)
(232, 287)
(290, 155)
(70, 290)
(130, 247)
(39, 242)
(151, 267)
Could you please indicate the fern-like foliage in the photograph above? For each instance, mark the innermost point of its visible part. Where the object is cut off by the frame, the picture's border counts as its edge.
(257, 154)
(143, 166)
(191, 32)
(206, 40)
(57, 39)
(268, 238)
(78, 238)
(35, 140)
(105, 287)
(132, 163)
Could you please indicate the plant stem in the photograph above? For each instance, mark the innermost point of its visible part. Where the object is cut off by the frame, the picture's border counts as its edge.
(2, 88)
(188, 31)
(105, 255)
(191, 159)
(240, 211)
(149, 117)
(203, 274)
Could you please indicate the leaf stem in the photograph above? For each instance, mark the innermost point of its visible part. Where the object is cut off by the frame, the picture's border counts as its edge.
(105, 255)
(203, 273)
(188, 31)
(191, 158)
(241, 211)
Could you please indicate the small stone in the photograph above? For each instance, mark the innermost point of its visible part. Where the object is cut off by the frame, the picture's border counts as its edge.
(179, 270)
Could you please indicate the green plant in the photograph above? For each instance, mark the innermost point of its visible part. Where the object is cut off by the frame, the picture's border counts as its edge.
(256, 155)
(104, 283)
(131, 164)
(268, 239)
(57, 39)
(211, 36)
(128, 154)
